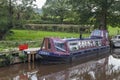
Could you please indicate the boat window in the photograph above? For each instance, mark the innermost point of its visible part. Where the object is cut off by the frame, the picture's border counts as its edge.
(60, 46)
(115, 37)
(83, 44)
(96, 43)
(118, 37)
(91, 43)
(106, 35)
(73, 46)
(88, 43)
(96, 33)
(43, 45)
(80, 44)
(100, 43)
(49, 45)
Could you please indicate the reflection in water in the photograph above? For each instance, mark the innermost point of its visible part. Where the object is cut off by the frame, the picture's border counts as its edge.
(19, 72)
(105, 67)
(26, 76)
(92, 70)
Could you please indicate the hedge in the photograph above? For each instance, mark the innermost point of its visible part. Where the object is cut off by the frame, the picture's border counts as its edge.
(59, 27)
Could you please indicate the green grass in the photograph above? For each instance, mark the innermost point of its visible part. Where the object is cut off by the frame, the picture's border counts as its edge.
(113, 31)
(38, 35)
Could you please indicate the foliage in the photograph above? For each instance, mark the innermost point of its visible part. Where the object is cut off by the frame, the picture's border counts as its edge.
(2, 60)
(3, 18)
(22, 12)
(14, 13)
(57, 12)
(9, 58)
(14, 44)
(113, 30)
(95, 12)
(23, 57)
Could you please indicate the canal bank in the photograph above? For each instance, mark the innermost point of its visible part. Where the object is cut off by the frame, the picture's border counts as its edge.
(15, 56)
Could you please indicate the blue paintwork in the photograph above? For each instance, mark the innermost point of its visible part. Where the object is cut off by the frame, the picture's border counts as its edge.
(40, 52)
(77, 54)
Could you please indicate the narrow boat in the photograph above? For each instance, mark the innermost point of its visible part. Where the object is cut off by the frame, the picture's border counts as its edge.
(56, 49)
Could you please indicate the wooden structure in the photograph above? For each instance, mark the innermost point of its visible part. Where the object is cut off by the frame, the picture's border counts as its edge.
(31, 52)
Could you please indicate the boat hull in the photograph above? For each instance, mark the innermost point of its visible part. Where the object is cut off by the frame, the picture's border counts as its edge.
(51, 57)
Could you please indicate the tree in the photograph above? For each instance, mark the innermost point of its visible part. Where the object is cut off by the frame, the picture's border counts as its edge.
(99, 12)
(114, 14)
(56, 9)
(22, 12)
(3, 17)
(12, 13)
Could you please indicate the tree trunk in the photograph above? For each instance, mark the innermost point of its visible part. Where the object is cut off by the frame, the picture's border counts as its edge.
(2, 34)
(10, 17)
(104, 15)
(103, 19)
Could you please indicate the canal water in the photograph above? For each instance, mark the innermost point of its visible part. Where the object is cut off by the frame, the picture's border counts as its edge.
(99, 67)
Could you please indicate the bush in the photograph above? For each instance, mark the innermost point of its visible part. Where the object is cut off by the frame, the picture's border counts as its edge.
(9, 59)
(23, 57)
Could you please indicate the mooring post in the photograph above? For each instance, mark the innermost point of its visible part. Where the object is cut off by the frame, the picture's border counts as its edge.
(31, 56)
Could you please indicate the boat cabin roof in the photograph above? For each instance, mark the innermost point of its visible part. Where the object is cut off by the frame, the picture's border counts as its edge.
(68, 39)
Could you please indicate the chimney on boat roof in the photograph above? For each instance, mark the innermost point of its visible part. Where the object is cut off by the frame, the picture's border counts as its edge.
(80, 33)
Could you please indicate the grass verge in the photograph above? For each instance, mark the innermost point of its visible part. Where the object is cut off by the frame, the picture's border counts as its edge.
(38, 35)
